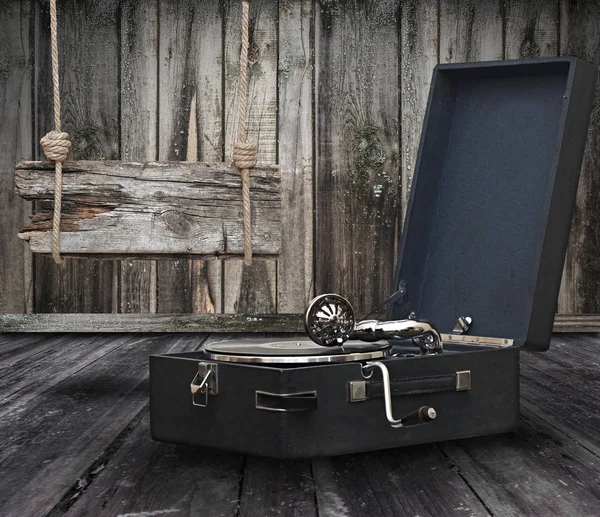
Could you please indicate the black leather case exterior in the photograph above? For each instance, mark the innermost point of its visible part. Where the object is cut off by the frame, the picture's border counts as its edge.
(485, 236)
(336, 426)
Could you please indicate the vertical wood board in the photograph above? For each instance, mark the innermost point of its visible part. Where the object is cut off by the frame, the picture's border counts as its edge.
(419, 32)
(579, 37)
(89, 51)
(531, 29)
(295, 86)
(471, 30)
(177, 89)
(16, 40)
(357, 150)
(207, 128)
(139, 119)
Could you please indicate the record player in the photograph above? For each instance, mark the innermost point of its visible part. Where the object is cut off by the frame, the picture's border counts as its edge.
(477, 281)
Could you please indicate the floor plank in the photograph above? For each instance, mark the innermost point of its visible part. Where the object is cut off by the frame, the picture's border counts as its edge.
(567, 408)
(408, 481)
(277, 488)
(50, 442)
(74, 428)
(150, 478)
(39, 372)
(551, 466)
(15, 347)
(528, 473)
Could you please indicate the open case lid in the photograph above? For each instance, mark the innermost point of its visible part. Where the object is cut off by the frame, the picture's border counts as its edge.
(492, 198)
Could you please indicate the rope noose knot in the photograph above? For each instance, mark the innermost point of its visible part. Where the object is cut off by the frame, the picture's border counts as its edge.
(244, 155)
(56, 146)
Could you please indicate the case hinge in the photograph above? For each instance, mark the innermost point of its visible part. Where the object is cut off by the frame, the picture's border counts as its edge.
(465, 339)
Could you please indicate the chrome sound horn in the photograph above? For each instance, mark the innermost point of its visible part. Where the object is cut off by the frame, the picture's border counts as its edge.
(329, 321)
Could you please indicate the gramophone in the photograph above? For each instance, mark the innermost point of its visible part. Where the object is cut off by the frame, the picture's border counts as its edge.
(478, 272)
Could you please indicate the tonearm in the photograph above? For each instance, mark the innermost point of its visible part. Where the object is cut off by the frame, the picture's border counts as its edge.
(329, 321)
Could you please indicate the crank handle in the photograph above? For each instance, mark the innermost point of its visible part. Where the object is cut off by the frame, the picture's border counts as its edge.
(423, 415)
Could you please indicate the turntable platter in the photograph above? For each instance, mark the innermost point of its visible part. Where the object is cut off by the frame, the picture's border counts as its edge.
(294, 351)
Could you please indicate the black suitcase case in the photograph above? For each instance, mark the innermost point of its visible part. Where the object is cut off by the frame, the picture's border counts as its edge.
(485, 237)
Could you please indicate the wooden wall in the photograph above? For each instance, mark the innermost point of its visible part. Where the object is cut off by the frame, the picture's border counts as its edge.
(337, 94)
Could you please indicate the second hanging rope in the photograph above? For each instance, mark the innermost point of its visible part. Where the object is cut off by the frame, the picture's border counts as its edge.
(244, 152)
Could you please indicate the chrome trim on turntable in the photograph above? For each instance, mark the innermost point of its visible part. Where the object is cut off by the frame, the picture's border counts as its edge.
(307, 359)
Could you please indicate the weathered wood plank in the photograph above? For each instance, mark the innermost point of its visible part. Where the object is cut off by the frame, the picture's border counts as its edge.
(579, 37)
(295, 76)
(207, 130)
(527, 474)
(470, 30)
(81, 286)
(191, 129)
(273, 488)
(139, 124)
(137, 287)
(407, 481)
(206, 286)
(550, 467)
(577, 323)
(357, 176)
(159, 207)
(193, 323)
(32, 376)
(585, 345)
(60, 433)
(89, 50)
(17, 347)
(200, 482)
(147, 478)
(254, 291)
(151, 323)
(256, 282)
(568, 368)
(419, 54)
(561, 406)
(531, 29)
(16, 39)
(177, 86)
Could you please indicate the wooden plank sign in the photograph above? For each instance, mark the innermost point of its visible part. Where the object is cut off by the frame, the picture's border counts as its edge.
(151, 209)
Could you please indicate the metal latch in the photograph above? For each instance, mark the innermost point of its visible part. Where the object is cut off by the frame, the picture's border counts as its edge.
(204, 383)
(462, 325)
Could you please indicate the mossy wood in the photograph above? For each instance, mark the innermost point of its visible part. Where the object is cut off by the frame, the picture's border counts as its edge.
(154, 208)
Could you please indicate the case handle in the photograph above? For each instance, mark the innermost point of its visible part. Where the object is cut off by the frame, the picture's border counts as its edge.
(457, 381)
(302, 401)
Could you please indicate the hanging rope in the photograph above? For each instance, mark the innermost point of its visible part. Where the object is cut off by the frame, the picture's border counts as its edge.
(244, 153)
(56, 144)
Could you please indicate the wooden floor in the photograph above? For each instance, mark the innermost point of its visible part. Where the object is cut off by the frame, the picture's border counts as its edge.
(74, 441)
